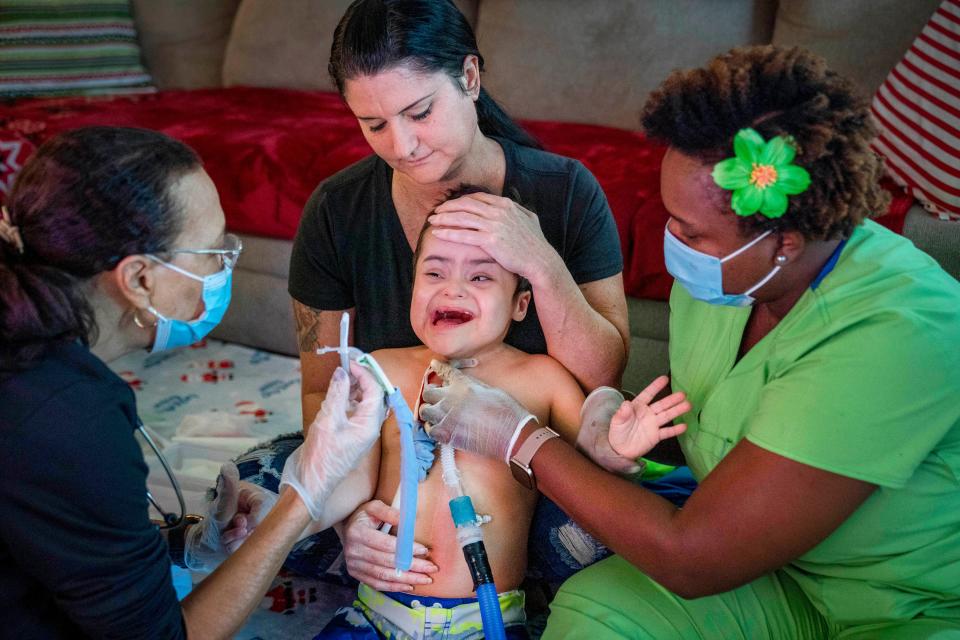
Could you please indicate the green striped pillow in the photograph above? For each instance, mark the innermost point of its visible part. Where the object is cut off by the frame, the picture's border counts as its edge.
(69, 47)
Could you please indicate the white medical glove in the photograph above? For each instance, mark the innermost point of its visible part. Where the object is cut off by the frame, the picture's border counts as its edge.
(335, 441)
(203, 549)
(253, 504)
(593, 438)
(470, 415)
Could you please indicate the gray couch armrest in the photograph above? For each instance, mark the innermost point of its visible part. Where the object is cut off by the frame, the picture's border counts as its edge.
(261, 313)
(939, 238)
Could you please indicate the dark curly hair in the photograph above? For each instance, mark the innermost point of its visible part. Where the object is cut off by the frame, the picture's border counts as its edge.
(778, 91)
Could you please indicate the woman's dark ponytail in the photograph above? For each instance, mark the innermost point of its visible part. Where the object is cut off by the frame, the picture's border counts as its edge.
(426, 35)
(494, 121)
(85, 200)
(38, 305)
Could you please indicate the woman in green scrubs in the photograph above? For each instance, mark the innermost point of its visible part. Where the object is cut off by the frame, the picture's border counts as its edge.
(821, 355)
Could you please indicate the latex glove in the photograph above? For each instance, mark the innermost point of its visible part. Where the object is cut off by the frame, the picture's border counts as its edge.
(203, 548)
(593, 437)
(339, 437)
(638, 426)
(253, 504)
(369, 552)
(471, 415)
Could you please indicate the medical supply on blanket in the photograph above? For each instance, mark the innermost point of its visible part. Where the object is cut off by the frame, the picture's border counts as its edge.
(470, 539)
(216, 424)
(409, 466)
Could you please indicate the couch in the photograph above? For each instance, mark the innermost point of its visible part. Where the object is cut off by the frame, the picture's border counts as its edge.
(560, 61)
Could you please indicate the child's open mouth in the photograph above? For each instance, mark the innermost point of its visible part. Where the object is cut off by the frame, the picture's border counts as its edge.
(451, 317)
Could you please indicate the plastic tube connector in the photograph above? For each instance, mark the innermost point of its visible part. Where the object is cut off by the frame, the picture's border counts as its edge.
(451, 475)
(470, 539)
(461, 508)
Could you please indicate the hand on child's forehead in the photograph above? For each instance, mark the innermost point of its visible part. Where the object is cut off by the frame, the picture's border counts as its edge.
(434, 246)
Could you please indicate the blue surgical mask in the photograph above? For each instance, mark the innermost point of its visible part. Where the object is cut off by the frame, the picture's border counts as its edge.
(702, 274)
(173, 333)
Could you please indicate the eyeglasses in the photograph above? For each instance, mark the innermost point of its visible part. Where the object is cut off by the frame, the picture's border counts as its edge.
(228, 254)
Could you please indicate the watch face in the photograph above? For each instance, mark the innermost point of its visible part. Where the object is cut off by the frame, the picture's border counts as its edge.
(522, 474)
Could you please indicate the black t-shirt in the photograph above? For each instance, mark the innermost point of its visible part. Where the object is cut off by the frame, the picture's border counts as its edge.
(351, 251)
(78, 554)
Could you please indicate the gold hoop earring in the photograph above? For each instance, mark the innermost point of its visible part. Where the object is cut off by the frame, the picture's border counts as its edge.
(137, 321)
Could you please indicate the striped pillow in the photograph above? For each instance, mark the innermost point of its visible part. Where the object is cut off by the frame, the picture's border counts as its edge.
(917, 110)
(69, 47)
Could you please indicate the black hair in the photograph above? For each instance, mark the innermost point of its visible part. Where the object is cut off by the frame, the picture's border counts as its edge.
(779, 91)
(463, 190)
(85, 200)
(425, 35)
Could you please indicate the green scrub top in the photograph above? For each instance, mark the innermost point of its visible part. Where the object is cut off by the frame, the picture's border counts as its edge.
(862, 379)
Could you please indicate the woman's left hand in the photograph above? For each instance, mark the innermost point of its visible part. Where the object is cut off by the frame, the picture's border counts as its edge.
(253, 504)
(510, 234)
(204, 549)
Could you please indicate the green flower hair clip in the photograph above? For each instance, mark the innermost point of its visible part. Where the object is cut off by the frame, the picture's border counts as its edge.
(760, 174)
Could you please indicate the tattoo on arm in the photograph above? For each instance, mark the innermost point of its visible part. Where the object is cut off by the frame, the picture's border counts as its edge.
(308, 326)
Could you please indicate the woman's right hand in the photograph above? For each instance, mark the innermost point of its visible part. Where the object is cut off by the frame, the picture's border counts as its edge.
(470, 415)
(342, 433)
(369, 552)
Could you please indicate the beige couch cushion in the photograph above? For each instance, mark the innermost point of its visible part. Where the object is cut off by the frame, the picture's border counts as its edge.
(596, 62)
(862, 39)
(288, 44)
(183, 40)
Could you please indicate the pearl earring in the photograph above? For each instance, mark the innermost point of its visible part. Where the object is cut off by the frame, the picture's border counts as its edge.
(781, 260)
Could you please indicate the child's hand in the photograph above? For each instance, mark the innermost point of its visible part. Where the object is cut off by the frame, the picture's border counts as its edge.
(638, 426)
(594, 436)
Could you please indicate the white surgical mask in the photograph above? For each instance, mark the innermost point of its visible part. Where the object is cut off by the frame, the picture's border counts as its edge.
(702, 274)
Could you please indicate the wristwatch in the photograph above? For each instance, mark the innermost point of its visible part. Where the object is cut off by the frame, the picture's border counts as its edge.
(520, 463)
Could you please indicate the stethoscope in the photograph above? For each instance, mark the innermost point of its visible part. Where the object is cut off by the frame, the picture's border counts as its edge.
(170, 520)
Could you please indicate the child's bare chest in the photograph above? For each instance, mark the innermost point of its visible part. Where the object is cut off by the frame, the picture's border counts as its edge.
(493, 491)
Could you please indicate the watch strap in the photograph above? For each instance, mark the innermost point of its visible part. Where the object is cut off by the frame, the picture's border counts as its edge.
(529, 449)
(516, 432)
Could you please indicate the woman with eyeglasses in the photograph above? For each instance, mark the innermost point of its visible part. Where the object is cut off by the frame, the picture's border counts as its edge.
(112, 240)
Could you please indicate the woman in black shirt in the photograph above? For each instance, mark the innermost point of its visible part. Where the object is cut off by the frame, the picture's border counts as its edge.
(112, 240)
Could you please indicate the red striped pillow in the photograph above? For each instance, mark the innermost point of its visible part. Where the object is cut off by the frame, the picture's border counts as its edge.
(917, 110)
(69, 47)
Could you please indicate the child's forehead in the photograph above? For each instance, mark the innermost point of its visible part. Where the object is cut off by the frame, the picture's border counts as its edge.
(434, 246)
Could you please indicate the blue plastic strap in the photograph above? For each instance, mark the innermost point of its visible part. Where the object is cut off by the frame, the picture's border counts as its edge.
(409, 472)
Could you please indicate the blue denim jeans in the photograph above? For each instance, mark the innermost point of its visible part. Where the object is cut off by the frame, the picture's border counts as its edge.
(558, 547)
